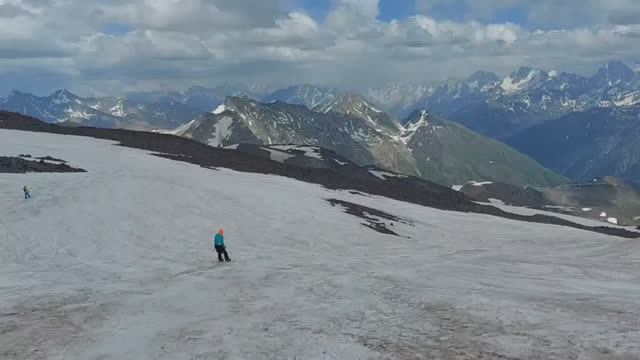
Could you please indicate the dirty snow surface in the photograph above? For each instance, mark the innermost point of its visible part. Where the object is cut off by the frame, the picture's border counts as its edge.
(116, 263)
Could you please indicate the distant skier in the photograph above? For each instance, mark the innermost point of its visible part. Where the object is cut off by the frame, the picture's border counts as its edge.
(218, 245)
(27, 193)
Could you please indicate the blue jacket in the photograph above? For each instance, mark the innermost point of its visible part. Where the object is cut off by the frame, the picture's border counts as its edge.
(218, 240)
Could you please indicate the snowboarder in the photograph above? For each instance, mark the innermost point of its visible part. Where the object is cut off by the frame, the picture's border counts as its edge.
(218, 245)
(27, 194)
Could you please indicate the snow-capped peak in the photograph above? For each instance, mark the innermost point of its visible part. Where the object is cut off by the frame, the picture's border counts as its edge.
(61, 96)
(614, 72)
(17, 93)
(220, 109)
(482, 79)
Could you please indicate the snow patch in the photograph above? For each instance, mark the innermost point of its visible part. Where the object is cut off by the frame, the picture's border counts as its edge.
(457, 187)
(341, 163)
(496, 201)
(74, 114)
(509, 86)
(118, 110)
(479, 183)
(372, 108)
(277, 155)
(586, 209)
(309, 151)
(221, 131)
(220, 109)
(612, 220)
(410, 129)
(630, 99)
(232, 147)
(180, 130)
(383, 175)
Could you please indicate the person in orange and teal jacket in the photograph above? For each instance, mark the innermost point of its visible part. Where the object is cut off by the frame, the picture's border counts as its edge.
(220, 248)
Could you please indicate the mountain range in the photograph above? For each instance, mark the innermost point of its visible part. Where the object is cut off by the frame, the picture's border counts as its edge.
(138, 111)
(585, 145)
(499, 108)
(579, 126)
(425, 146)
(66, 108)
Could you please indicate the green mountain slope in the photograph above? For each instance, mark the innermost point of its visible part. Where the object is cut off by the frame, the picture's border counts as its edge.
(449, 153)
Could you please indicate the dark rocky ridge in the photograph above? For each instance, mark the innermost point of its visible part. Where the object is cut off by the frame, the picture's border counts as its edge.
(617, 198)
(509, 194)
(373, 217)
(49, 158)
(407, 189)
(18, 165)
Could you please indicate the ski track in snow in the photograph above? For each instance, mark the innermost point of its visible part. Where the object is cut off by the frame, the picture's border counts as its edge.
(116, 264)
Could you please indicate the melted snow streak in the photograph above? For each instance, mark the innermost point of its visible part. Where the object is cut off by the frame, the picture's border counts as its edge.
(116, 263)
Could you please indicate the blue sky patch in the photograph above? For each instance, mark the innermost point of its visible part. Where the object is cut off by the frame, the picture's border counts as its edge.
(116, 29)
(396, 9)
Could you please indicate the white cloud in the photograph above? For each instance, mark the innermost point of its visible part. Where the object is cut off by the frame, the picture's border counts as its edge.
(177, 43)
(546, 13)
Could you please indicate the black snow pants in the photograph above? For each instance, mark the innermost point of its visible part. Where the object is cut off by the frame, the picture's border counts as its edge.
(222, 250)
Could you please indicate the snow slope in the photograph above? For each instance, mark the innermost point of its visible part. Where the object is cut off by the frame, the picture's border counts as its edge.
(115, 263)
(575, 219)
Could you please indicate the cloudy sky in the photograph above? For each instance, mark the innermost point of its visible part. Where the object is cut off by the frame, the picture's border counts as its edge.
(110, 46)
